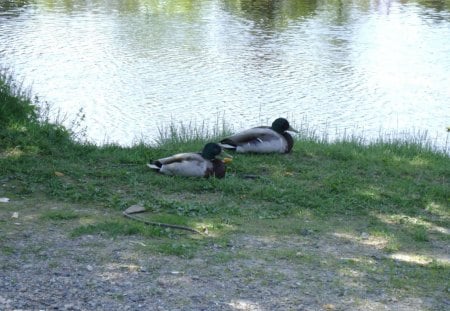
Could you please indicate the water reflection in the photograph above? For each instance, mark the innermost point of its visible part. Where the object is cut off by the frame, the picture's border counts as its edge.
(6, 5)
(270, 14)
(438, 5)
(436, 12)
(134, 65)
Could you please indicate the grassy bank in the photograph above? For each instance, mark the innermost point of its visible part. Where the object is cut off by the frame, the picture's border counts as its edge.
(395, 195)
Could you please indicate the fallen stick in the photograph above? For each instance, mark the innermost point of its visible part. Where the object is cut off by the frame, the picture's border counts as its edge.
(159, 224)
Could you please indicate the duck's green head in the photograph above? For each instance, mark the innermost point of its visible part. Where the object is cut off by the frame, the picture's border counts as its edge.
(211, 150)
(282, 125)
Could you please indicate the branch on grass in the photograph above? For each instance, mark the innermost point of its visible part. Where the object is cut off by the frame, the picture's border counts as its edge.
(136, 209)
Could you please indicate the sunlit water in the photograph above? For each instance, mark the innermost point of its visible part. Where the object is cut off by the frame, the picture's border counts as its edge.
(346, 67)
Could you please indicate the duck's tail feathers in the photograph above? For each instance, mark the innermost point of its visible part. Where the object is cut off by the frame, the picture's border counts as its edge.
(227, 147)
(153, 166)
(227, 144)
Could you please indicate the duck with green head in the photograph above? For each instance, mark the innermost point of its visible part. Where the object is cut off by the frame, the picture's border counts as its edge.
(262, 139)
(204, 164)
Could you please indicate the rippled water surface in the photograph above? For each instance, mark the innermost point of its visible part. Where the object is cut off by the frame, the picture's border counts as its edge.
(333, 66)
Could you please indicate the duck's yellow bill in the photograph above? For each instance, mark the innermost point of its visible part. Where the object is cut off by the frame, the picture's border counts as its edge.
(227, 160)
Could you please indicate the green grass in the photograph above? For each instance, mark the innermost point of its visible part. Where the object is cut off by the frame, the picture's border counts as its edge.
(60, 215)
(116, 228)
(181, 248)
(326, 179)
(14, 101)
(24, 122)
(378, 183)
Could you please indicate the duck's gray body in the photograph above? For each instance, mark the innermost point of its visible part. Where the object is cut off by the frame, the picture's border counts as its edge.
(183, 164)
(203, 164)
(262, 139)
(257, 140)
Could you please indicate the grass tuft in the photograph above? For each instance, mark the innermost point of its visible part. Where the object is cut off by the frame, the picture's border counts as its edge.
(60, 215)
(116, 228)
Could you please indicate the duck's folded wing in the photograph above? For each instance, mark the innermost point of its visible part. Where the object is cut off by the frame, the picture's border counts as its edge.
(180, 157)
(190, 164)
(254, 135)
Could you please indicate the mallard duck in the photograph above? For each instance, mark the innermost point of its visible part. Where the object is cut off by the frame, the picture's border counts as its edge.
(262, 139)
(204, 164)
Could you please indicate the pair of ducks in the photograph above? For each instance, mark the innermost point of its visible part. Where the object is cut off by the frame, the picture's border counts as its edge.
(262, 139)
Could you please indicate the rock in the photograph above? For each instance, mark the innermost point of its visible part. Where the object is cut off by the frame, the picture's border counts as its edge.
(135, 209)
(365, 236)
(305, 232)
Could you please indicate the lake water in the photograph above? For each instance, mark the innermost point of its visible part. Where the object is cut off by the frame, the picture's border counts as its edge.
(357, 67)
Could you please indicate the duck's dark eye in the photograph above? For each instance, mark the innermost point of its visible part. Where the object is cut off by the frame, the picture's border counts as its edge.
(217, 149)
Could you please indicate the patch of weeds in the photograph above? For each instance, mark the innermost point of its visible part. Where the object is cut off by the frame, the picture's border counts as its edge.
(181, 220)
(168, 219)
(93, 244)
(37, 250)
(286, 254)
(183, 249)
(436, 209)
(261, 275)
(363, 265)
(118, 297)
(7, 250)
(438, 267)
(420, 234)
(53, 265)
(116, 228)
(392, 240)
(393, 245)
(233, 210)
(428, 278)
(293, 255)
(196, 209)
(191, 209)
(58, 215)
(222, 257)
(273, 277)
(116, 202)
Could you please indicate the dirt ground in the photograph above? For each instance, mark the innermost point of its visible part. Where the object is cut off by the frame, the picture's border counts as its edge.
(43, 268)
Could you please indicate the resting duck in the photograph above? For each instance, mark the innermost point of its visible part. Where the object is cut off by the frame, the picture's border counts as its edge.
(204, 164)
(262, 139)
